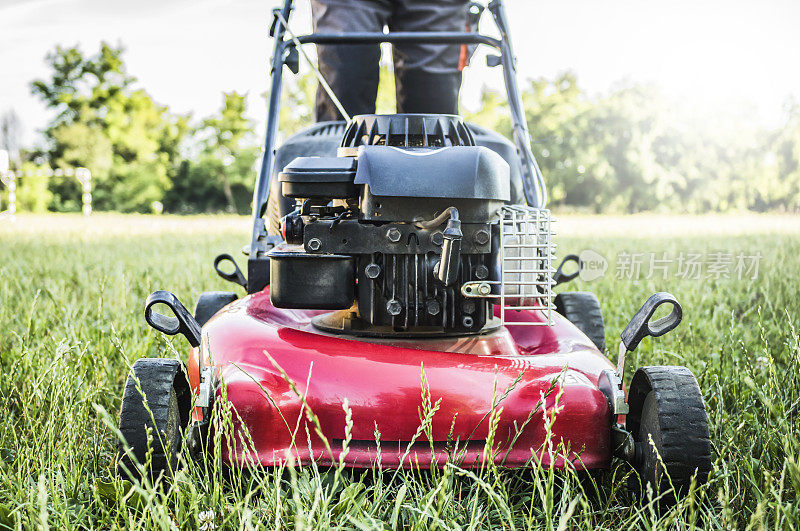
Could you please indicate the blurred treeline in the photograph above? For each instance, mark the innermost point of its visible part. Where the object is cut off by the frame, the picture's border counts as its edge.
(634, 149)
(142, 156)
(629, 150)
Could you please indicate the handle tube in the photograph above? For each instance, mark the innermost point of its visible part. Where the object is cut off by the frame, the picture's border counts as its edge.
(257, 245)
(532, 179)
(428, 37)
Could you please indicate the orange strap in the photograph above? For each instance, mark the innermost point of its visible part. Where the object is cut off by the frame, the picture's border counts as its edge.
(463, 57)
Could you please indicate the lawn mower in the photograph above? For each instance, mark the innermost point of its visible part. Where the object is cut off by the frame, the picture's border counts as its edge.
(397, 261)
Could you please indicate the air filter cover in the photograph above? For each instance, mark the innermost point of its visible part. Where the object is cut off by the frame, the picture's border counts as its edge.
(407, 130)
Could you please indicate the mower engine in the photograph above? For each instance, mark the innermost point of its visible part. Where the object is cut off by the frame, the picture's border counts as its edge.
(403, 231)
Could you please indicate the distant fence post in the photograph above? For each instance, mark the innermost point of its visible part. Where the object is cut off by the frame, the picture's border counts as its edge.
(9, 180)
(85, 177)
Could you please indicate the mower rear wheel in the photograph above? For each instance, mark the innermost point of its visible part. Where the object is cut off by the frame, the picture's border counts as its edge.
(582, 309)
(669, 425)
(155, 408)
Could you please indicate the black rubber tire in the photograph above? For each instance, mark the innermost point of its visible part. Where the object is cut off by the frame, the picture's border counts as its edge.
(666, 404)
(582, 309)
(210, 302)
(166, 395)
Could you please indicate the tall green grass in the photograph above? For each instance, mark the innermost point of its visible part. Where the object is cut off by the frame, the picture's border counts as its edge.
(71, 293)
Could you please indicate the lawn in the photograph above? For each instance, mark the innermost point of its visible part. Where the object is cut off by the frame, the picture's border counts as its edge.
(71, 295)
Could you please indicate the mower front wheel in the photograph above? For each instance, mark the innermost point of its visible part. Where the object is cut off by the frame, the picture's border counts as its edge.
(155, 412)
(669, 425)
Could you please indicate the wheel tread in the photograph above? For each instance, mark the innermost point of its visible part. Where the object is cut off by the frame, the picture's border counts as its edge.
(583, 310)
(157, 379)
(684, 440)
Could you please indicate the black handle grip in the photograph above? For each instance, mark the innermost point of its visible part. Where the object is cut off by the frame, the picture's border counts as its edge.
(560, 277)
(181, 323)
(237, 277)
(641, 327)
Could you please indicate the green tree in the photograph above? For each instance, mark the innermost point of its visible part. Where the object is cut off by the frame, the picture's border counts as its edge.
(560, 122)
(129, 143)
(558, 118)
(231, 143)
(297, 103)
(634, 149)
(780, 186)
(33, 194)
(222, 173)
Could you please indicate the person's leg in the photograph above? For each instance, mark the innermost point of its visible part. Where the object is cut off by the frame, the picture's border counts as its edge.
(427, 76)
(350, 70)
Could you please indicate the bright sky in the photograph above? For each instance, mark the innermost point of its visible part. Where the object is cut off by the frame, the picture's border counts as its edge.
(726, 54)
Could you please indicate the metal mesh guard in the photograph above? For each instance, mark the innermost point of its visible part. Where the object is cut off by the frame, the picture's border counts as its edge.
(526, 277)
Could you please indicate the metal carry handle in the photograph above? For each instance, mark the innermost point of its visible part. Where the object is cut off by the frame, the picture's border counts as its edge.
(640, 326)
(182, 321)
(237, 277)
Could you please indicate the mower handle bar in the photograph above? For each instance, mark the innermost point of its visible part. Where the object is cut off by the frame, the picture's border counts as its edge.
(429, 37)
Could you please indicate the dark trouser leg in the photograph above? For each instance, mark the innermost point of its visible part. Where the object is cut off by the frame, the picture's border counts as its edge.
(350, 70)
(352, 73)
(419, 91)
(427, 76)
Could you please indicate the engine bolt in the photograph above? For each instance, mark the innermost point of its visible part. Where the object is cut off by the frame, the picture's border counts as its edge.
(467, 321)
(468, 306)
(481, 272)
(394, 307)
(433, 307)
(484, 289)
(314, 244)
(482, 237)
(393, 235)
(437, 238)
(372, 271)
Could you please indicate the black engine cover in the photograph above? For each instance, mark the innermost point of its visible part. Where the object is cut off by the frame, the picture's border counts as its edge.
(404, 188)
(475, 176)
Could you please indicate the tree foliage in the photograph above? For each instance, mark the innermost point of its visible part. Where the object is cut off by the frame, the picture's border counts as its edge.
(130, 143)
(221, 174)
(634, 149)
(631, 149)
